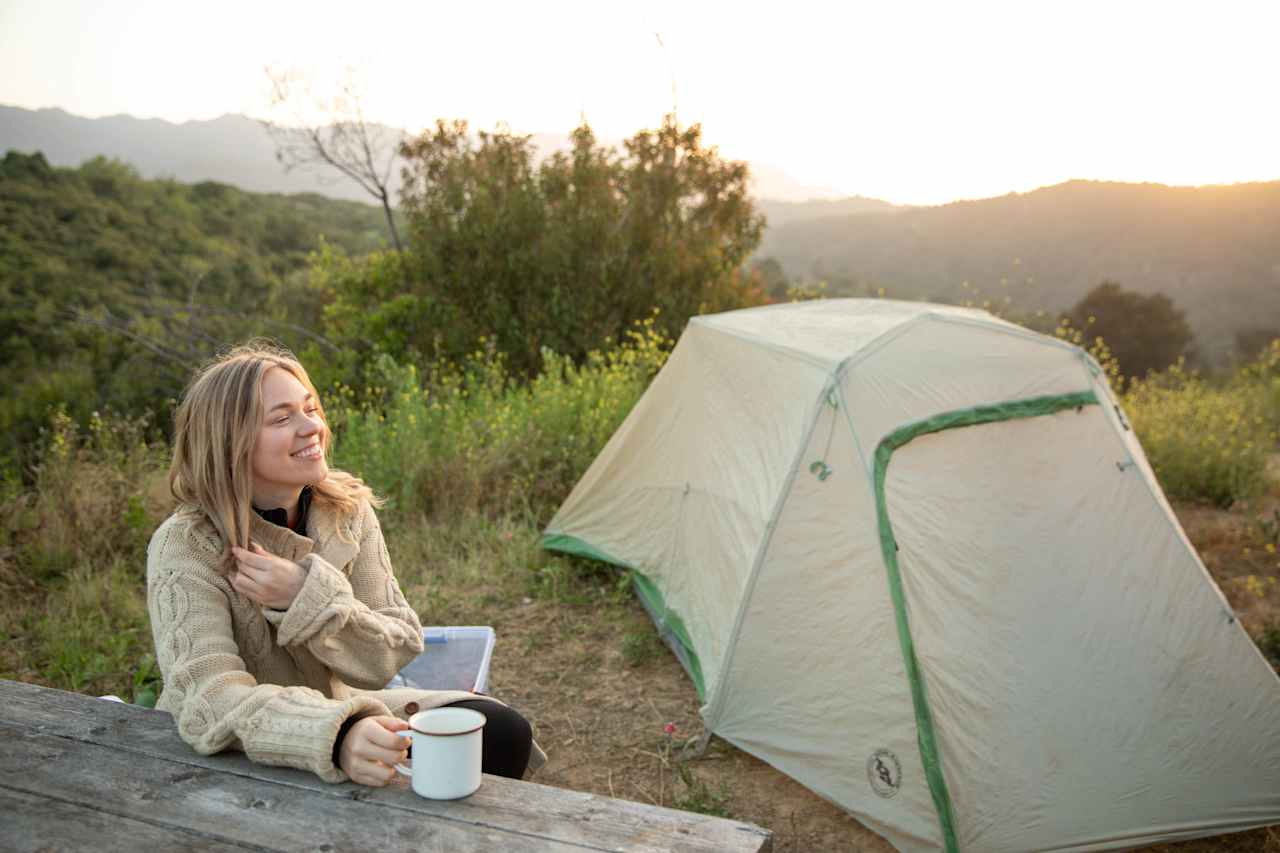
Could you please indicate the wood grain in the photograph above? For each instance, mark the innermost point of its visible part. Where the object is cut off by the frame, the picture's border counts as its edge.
(38, 823)
(127, 761)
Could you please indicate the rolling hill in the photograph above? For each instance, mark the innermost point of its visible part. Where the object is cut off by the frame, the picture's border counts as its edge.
(1214, 250)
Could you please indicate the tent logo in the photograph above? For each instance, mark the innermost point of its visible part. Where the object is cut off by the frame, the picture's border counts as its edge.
(884, 772)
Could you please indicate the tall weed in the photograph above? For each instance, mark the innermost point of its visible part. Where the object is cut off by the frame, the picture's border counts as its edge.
(1207, 442)
(96, 496)
(1262, 378)
(73, 557)
(470, 437)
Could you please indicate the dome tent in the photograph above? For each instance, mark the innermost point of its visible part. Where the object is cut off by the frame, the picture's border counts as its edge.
(914, 557)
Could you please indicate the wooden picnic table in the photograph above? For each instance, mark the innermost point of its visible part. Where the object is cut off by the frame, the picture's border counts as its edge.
(77, 772)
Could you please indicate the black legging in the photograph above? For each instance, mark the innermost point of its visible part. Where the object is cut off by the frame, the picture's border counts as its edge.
(508, 738)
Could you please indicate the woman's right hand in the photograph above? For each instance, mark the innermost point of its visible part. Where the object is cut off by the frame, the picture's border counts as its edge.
(371, 749)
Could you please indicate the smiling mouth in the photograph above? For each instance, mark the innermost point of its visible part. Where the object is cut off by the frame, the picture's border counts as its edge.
(308, 453)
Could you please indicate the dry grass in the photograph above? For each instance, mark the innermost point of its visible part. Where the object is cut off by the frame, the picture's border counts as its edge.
(1241, 549)
(576, 651)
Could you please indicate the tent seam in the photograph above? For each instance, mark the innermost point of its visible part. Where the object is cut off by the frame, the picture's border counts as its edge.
(1025, 334)
(789, 352)
(1160, 500)
(711, 718)
(870, 347)
(867, 349)
(867, 469)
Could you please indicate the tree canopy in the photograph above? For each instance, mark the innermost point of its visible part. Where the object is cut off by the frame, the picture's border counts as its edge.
(1144, 333)
(563, 254)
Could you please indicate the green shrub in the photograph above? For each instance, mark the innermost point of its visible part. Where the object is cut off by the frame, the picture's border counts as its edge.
(473, 438)
(1262, 378)
(96, 495)
(1207, 443)
(73, 558)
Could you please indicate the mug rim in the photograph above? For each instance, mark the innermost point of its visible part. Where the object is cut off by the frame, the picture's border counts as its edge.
(482, 719)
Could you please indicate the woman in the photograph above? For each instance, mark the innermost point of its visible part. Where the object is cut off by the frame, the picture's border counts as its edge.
(275, 612)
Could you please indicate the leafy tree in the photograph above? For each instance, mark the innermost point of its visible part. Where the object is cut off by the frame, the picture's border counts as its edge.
(772, 277)
(565, 254)
(1143, 332)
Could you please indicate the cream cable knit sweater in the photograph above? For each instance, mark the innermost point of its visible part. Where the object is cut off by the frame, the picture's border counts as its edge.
(279, 684)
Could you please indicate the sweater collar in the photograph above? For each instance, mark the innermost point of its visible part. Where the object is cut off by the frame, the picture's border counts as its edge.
(327, 534)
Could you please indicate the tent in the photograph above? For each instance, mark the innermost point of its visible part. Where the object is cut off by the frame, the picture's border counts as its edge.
(914, 557)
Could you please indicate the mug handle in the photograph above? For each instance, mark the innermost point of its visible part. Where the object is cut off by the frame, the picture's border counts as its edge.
(404, 769)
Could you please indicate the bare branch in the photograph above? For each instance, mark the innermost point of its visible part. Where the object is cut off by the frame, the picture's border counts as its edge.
(345, 142)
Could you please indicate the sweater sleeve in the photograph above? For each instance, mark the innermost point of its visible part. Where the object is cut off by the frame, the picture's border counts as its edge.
(215, 701)
(360, 627)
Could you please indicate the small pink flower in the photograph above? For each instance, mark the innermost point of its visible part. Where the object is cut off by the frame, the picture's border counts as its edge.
(506, 537)
(669, 728)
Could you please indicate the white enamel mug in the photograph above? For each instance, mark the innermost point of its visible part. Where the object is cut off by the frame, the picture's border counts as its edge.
(446, 752)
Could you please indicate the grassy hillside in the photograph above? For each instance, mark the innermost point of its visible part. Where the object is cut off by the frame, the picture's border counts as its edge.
(1214, 250)
(111, 285)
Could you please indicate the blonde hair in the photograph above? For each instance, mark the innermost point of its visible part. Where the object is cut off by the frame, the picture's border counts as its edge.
(215, 429)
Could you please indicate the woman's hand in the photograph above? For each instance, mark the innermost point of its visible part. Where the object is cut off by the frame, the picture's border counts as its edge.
(267, 579)
(371, 750)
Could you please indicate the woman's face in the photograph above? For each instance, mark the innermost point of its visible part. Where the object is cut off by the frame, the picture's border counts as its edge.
(289, 452)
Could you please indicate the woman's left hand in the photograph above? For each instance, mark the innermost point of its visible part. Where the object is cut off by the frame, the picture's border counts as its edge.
(267, 579)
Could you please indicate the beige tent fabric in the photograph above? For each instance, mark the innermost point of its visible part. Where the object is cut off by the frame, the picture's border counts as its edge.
(1088, 684)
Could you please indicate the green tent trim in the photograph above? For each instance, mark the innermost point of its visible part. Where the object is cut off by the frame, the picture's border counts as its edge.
(673, 626)
(925, 736)
(669, 622)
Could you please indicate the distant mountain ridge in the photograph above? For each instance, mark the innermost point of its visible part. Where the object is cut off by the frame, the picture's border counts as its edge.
(1214, 250)
(237, 150)
(780, 213)
(231, 149)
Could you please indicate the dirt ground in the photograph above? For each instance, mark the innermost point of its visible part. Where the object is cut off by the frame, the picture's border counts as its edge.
(600, 706)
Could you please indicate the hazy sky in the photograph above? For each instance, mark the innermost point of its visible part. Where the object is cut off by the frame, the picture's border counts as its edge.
(915, 102)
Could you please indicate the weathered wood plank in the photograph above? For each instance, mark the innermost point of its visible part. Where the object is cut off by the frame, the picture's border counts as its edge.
(525, 809)
(37, 823)
(235, 810)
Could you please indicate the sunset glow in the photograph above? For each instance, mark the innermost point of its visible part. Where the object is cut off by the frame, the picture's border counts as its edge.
(911, 102)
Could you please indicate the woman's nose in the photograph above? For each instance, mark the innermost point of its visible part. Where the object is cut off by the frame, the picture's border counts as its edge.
(311, 424)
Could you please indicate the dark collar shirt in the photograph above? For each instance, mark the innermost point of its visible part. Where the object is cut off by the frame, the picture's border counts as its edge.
(280, 516)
